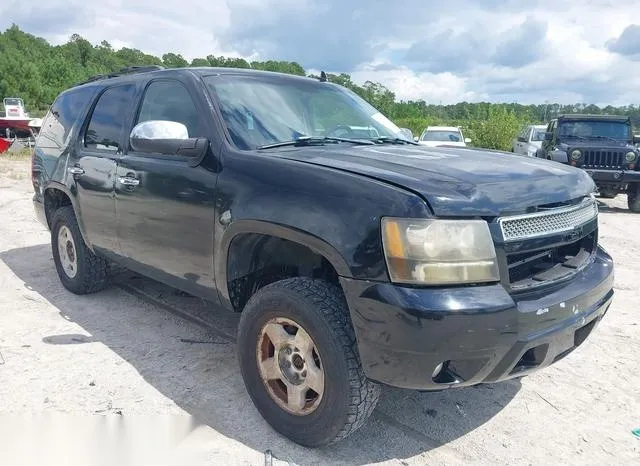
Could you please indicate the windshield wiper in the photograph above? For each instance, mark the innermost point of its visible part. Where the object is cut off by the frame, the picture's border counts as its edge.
(311, 141)
(391, 140)
(564, 136)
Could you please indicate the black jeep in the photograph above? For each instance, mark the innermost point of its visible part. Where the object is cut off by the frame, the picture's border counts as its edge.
(357, 258)
(603, 145)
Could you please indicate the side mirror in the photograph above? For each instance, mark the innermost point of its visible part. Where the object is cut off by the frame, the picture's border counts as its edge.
(467, 141)
(415, 138)
(548, 136)
(166, 138)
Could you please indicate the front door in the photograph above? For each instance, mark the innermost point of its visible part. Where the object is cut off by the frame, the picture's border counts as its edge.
(92, 168)
(165, 206)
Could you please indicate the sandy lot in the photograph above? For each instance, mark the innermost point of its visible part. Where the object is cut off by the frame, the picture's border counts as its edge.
(118, 366)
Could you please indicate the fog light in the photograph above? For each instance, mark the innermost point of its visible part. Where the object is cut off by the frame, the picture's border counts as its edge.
(437, 370)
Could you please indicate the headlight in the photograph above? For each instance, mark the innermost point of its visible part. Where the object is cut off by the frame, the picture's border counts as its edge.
(630, 156)
(439, 252)
(576, 154)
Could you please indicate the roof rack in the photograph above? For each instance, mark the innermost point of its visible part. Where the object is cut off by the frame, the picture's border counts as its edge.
(122, 72)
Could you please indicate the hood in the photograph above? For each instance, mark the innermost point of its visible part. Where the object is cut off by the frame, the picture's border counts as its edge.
(441, 143)
(456, 182)
(595, 144)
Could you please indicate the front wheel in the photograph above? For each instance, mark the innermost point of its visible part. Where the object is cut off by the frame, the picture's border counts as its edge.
(608, 194)
(300, 364)
(633, 201)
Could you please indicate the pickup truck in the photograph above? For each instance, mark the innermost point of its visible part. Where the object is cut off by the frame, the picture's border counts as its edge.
(356, 259)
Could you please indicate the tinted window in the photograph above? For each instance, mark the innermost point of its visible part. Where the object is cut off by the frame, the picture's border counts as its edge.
(436, 135)
(538, 134)
(169, 100)
(63, 114)
(594, 129)
(108, 118)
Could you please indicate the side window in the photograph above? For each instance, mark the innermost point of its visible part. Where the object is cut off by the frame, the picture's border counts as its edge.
(108, 119)
(170, 100)
(60, 119)
(527, 134)
(523, 133)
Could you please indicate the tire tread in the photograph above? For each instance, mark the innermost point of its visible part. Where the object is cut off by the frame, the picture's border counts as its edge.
(330, 302)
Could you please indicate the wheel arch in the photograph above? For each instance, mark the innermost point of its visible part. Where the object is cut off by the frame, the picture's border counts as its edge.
(57, 195)
(246, 243)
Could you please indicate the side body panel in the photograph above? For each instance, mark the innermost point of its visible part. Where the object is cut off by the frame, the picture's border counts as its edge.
(333, 212)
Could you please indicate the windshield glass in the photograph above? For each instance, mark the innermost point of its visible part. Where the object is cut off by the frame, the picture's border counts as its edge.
(589, 129)
(538, 134)
(438, 135)
(259, 111)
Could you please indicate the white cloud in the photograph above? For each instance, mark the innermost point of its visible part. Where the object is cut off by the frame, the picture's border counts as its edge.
(466, 50)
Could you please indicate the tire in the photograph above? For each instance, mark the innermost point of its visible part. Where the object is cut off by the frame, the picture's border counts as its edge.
(607, 194)
(347, 397)
(80, 271)
(633, 202)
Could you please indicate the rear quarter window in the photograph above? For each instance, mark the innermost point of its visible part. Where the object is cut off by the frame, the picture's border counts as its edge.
(61, 118)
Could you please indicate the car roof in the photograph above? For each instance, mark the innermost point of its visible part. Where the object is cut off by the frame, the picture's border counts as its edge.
(133, 73)
(578, 116)
(442, 128)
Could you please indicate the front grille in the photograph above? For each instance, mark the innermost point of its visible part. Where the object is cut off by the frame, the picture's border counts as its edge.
(548, 222)
(536, 268)
(603, 159)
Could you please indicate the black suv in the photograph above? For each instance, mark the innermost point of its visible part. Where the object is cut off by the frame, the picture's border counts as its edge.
(603, 145)
(356, 257)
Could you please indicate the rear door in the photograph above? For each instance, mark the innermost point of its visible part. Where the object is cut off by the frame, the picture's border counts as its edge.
(165, 206)
(92, 167)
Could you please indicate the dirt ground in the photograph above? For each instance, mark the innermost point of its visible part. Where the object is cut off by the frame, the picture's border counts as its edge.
(122, 368)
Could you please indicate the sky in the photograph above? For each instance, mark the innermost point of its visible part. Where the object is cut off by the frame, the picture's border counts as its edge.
(527, 51)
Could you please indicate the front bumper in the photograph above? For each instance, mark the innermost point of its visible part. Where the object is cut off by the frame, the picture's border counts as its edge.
(604, 177)
(481, 334)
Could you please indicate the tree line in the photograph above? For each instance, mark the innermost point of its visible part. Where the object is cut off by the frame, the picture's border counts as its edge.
(37, 71)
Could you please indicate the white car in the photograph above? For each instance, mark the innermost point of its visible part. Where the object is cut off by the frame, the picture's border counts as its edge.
(442, 136)
(529, 140)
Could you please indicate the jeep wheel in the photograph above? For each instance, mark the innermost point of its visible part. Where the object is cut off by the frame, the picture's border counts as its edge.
(300, 363)
(608, 194)
(633, 201)
(80, 271)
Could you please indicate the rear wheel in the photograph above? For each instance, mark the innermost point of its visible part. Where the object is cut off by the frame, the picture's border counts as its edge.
(80, 270)
(300, 363)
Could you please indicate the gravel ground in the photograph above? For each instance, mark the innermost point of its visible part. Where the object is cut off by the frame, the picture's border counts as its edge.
(155, 388)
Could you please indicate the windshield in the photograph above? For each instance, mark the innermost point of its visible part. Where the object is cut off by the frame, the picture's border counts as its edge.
(438, 135)
(259, 111)
(538, 134)
(595, 129)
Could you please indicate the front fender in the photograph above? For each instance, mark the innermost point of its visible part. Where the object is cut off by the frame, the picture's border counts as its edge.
(240, 227)
(332, 212)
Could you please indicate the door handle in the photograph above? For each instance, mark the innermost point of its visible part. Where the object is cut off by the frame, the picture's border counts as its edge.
(129, 181)
(76, 171)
